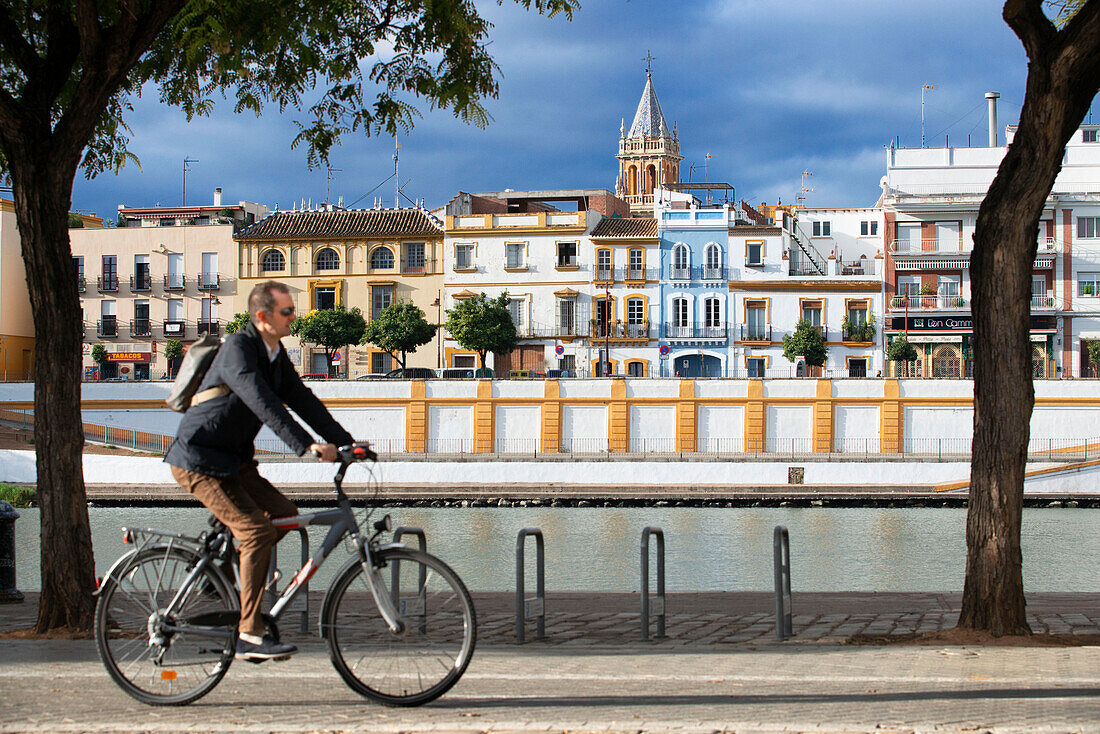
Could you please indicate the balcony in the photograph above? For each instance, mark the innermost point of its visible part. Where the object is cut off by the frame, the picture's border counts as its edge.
(209, 327)
(174, 281)
(567, 262)
(414, 269)
(621, 331)
(107, 326)
(208, 281)
(861, 332)
(107, 283)
(81, 285)
(930, 302)
(675, 273)
(821, 329)
(559, 331)
(714, 273)
(604, 274)
(175, 329)
(696, 331)
(140, 328)
(1042, 302)
(141, 282)
(751, 333)
(638, 274)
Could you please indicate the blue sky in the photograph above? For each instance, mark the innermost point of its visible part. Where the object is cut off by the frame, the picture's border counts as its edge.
(767, 89)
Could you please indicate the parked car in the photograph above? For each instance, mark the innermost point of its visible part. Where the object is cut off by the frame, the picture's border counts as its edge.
(560, 374)
(412, 373)
(315, 376)
(458, 373)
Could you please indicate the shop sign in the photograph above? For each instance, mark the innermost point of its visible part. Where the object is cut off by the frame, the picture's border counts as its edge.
(128, 356)
(172, 328)
(957, 323)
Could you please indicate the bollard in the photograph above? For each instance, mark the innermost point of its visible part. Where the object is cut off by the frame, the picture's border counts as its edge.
(655, 606)
(536, 606)
(781, 552)
(8, 593)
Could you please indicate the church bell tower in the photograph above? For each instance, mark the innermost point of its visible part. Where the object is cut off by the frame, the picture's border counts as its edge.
(649, 155)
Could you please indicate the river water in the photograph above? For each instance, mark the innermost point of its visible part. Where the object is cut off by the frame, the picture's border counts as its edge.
(708, 549)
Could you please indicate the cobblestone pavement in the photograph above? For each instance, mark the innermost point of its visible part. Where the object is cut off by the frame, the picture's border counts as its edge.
(716, 672)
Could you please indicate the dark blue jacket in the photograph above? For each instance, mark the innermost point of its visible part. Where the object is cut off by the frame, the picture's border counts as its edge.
(215, 437)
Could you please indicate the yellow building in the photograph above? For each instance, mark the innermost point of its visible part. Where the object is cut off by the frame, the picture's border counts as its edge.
(365, 258)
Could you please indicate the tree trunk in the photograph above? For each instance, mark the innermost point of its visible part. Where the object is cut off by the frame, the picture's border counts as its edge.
(42, 186)
(1061, 82)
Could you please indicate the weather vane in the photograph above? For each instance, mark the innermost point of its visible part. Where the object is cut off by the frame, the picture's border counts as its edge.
(648, 63)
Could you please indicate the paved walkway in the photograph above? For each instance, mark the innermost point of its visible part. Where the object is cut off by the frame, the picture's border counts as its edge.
(720, 670)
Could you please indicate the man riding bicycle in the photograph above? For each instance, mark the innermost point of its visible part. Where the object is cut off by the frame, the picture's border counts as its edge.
(246, 387)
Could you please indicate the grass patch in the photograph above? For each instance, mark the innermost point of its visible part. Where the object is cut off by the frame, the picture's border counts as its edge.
(18, 496)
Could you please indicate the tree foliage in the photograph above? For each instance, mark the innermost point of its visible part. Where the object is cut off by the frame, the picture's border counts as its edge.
(68, 72)
(806, 341)
(330, 328)
(238, 322)
(483, 325)
(400, 328)
(900, 350)
(99, 354)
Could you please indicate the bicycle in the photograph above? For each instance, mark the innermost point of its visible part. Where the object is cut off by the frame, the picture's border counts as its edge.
(166, 615)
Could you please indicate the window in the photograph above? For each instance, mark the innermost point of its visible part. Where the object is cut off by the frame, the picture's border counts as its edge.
(1088, 284)
(464, 361)
(381, 298)
(567, 254)
(908, 285)
(857, 367)
(324, 298)
(175, 309)
(603, 264)
(327, 259)
(140, 325)
(1088, 136)
(811, 312)
(414, 257)
(681, 257)
(208, 278)
(514, 255)
(108, 325)
(947, 236)
(713, 259)
(567, 316)
(208, 317)
(1088, 227)
(464, 257)
(754, 253)
(273, 262)
(380, 363)
(756, 322)
(167, 222)
(142, 279)
(637, 264)
(78, 271)
(174, 280)
(635, 369)
(908, 237)
(712, 313)
(680, 312)
(110, 272)
(635, 311)
(868, 228)
(755, 366)
(381, 259)
(823, 228)
(515, 310)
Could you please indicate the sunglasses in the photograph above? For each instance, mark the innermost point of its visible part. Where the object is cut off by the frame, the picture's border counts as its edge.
(286, 311)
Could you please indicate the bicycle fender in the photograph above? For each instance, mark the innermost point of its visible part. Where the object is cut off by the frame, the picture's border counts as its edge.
(122, 564)
(353, 562)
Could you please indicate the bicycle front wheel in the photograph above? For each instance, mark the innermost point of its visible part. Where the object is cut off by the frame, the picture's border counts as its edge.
(423, 660)
(163, 657)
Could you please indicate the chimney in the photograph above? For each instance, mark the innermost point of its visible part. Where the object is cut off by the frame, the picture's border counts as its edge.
(992, 97)
(218, 196)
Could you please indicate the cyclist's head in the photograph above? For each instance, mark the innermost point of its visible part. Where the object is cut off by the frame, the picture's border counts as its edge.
(262, 298)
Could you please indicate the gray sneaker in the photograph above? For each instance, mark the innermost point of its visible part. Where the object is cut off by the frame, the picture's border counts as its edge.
(269, 649)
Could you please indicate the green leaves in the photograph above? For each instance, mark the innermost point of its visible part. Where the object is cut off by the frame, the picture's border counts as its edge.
(482, 325)
(806, 341)
(900, 350)
(330, 328)
(237, 323)
(400, 328)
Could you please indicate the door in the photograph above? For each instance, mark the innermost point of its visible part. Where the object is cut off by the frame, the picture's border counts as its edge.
(857, 368)
(175, 271)
(209, 269)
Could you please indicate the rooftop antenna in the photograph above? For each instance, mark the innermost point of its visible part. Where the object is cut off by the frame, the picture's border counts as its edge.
(328, 182)
(706, 177)
(187, 161)
(396, 178)
(926, 87)
(804, 189)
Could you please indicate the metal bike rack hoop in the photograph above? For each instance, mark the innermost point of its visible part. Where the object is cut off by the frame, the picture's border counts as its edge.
(535, 606)
(303, 605)
(395, 575)
(655, 606)
(781, 554)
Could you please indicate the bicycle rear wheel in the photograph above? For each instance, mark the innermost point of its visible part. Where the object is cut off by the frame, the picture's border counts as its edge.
(155, 665)
(428, 656)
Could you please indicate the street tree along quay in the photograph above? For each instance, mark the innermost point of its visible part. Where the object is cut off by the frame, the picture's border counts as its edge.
(1063, 77)
(483, 325)
(67, 69)
(806, 341)
(331, 328)
(238, 322)
(399, 329)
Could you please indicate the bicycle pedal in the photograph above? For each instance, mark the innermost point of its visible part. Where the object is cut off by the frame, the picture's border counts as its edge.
(255, 661)
(280, 658)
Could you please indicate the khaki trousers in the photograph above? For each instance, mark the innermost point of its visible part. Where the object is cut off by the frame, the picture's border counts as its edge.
(246, 504)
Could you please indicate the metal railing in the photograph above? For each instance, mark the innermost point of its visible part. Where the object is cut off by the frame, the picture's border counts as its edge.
(106, 283)
(174, 281)
(141, 282)
(675, 273)
(695, 331)
(621, 331)
(750, 333)
(175, 328)
(140, 327)
(930, 301)
(208, 281)
(209, 327)
(106, 327)
(534, 607)
(1042, 301)
(81, 285)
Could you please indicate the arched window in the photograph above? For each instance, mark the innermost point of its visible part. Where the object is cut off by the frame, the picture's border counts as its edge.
(381, 259)
(681, 262)
(632, 181)
(327, 259)
(651, 178)
(273, 262)
(714, 256)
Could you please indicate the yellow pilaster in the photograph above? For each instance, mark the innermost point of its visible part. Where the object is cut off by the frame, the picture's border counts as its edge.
(823, 417)
(685, 417)
(416, 418)
(755, 417)
(892, 423)
(483, 418)
(618, 423)
(551, 417)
